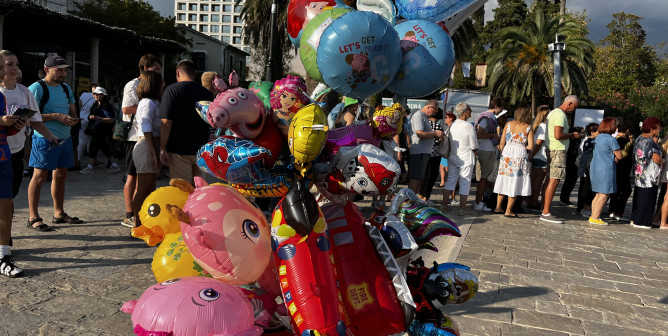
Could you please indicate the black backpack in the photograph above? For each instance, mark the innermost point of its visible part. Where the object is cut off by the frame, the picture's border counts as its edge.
(45, 94)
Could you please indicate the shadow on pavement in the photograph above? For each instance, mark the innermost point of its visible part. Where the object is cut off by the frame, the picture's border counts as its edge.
(490, 302)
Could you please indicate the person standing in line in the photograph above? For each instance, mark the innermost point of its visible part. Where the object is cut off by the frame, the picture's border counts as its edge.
(571, 169)
(86, 101)
(624, 165)
(422, 143)
(103, 116)
(427, 184)
(648, 159)
(59, 114)
(585, 194)
(557, 141)
(514, 168)
(443, 166)
(603, 169)
(488, 139)
(538, 158)
(463, 145)
(129, 105)
(183, 132)
(663, 213)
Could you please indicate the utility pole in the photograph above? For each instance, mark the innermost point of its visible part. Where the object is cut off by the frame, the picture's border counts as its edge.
(556, 49)
(269, 71)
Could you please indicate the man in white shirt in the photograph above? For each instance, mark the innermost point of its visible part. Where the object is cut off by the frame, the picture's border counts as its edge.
(463, 144)
(422, 143)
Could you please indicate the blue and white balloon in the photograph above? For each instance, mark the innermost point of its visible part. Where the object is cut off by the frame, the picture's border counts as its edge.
(432, 10)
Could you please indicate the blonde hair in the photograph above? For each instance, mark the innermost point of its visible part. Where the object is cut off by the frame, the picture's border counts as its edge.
(207, 80)
(541, 115)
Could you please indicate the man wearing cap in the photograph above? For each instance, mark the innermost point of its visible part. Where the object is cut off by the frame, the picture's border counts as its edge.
(59, 115)
(488, 139)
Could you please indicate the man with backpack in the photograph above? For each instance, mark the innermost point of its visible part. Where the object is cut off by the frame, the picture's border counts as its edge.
(57, 105)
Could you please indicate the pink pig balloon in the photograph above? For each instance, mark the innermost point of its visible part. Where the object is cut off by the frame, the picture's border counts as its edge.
(227, 235)
(236, 108)
(192, 306)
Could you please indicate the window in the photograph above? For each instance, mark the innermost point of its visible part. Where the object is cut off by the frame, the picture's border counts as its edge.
(181, 17)
(226, 29)
(193, 7)
(199, 60)
(227, 18)
(227, 8)
(215, 8)
(215, 28)
(227, 0)
(247, 49)
(226, 39)
(204, 8)
(193, 26)
(215, 17)
(237, 30)
(237, 40)
(204, 28)
(204, 18)
(181, 6)
(237, 19)
(192, 17)
(237, 9)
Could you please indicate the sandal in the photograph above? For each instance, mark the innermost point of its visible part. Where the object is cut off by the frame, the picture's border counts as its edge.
(498, 212)
(42, 227)
(64, 218)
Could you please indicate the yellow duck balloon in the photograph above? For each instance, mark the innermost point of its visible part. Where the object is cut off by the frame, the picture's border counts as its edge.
(156, 220)
(172, 259)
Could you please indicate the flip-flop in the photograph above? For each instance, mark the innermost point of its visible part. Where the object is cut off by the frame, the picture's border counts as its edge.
(64, 219)
(42, 227)
(498, 212)
(512, 216)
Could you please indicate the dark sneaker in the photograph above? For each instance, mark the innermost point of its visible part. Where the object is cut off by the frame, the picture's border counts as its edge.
(7, 267)
(550, 218)
(566, 203)
(534, 208)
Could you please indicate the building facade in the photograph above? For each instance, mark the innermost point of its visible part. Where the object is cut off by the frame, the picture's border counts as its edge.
(211, 54)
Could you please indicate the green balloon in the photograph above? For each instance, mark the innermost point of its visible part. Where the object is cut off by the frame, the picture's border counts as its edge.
(308, 45)
(262, 89)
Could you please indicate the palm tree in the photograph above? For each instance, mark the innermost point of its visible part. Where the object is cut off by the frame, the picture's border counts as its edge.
(521, 66)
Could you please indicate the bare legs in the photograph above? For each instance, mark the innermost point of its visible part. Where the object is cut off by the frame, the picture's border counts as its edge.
(549, 194)
(129, 191)
(6, 206)
(509, 207)
(537, 179)
(145, 186)
(597, 205)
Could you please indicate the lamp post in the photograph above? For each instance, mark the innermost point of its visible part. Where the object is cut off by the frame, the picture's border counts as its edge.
(269, 71)
(556, 49)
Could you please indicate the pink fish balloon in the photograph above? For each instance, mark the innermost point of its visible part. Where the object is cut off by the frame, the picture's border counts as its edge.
(192, 306)
(226, 234)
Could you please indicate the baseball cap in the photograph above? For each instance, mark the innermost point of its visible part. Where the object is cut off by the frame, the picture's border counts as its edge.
(100, 90)
(55, 62)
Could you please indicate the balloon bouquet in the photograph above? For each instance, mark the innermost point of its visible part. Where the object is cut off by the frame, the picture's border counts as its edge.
(318, 267)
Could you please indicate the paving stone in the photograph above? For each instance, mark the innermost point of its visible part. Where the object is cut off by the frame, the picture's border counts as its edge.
(606, 294)
(546, 321)
(639, 321)
(601, 329)
(551, 261)
(468, 255)
(472, 326)
(519, 330)
(612, 276)
(74, 308)
(598, 304)
(16, 323)
(18, 294)
(551, 307)
(555, 268)
(585, 314)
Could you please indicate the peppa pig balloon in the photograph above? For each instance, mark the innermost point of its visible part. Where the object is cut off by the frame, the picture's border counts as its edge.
(359, 54)
(226, 234)
(237, 109)
(192, 306)
(300, 12)
(428, 58)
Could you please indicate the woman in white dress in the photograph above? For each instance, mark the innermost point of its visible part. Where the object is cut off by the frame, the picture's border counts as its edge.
(514, 178)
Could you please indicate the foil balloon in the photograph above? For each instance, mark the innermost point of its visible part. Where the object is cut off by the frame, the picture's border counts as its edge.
(432, 10)
(173, 260)
(192, 306)
(388, 120)
(233, 159)
(237, 109)
(428, 58)
(310, 40)
(359, 54)
(156, 221)
(384, 8)
(426, 222)
(262, 90)
(300, 12)
(202, 107)
(441, 325)
(287, 97)
(352, 135)
(226, 234)
(307, 136)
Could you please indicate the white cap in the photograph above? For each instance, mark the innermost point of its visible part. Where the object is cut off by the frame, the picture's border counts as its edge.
(99, 90)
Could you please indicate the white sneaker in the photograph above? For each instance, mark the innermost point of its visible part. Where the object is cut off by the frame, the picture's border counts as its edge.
(454, 202)
(86, 170)
(481, 207)
(641, 226)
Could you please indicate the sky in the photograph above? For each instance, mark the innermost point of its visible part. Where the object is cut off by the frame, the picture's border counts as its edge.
(599, 11)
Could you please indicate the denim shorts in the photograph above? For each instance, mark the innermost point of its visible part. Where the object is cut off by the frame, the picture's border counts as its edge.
(538, 163)
(6, 180)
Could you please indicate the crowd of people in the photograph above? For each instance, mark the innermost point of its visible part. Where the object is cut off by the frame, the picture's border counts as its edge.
(515, 161)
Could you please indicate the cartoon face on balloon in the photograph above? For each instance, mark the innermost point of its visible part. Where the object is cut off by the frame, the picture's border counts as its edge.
(238, 109)
(388, 120)
(300, 12)
(196, 306)
(365, 170)
(288, 97)
(226, 234)
(360, 65)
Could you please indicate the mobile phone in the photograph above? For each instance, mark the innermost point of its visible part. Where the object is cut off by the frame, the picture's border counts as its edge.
(24, 113)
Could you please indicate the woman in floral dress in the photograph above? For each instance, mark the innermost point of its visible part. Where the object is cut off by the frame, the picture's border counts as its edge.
(513, 178)
(648, 164)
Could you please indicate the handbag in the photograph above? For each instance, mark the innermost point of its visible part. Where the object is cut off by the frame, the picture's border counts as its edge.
(122, 129)
(443, 148)
(92, 127)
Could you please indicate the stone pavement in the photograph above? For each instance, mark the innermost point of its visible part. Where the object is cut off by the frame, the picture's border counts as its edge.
(536, 278)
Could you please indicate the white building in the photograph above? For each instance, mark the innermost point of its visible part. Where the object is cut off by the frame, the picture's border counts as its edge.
(220, 19)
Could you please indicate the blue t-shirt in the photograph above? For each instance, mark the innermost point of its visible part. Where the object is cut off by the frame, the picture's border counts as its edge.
(58, 103)
(5, 152)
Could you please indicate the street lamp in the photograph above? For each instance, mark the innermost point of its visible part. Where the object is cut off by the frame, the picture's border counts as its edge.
(556, 48)
(269, 71)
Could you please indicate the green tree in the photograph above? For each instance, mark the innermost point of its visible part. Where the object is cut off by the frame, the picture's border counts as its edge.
(510, 13)
(522, 66)
(469, 47)
(549, 7)
(623, 60)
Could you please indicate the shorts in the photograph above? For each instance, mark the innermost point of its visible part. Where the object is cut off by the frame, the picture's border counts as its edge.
(538, 163)
(486, 159)
(183, 166)
(463, 175)
(556, 168)
(6, 180)
(417, 166)
(444, 162)
(47, 157)
(130, 168)
(142, 158)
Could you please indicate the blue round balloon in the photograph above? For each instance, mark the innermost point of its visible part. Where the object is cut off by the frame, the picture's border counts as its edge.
(428, 58)
(432, 10)
(359, 54)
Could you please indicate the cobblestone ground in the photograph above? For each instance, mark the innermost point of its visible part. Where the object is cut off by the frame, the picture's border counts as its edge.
(536, 279)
